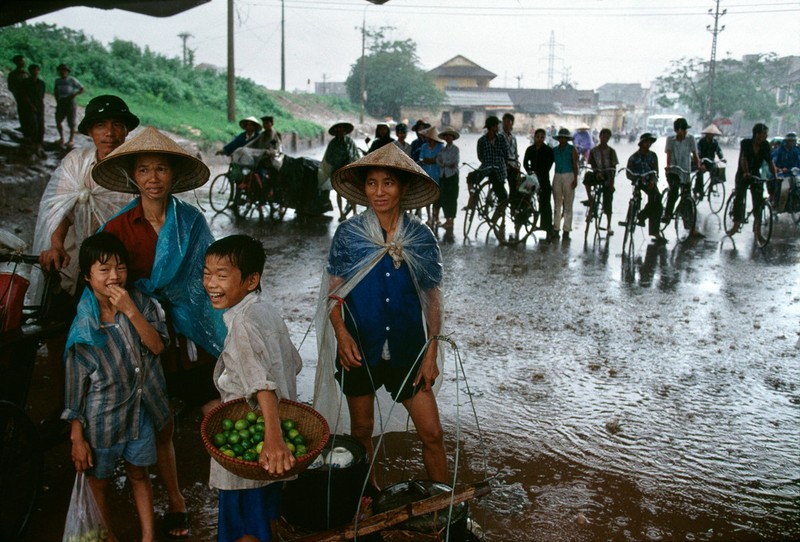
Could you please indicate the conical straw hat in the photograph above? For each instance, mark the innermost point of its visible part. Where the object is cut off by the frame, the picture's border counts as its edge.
(348, 127)
(115, 173)
(348, 181)
(431, 133)
(711, 129)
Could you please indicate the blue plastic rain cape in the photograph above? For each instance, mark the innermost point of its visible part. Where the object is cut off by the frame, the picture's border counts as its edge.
(357, 247)
(85, 328)
(176, 280)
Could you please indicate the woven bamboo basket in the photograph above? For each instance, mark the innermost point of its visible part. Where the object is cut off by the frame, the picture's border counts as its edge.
(309, 422)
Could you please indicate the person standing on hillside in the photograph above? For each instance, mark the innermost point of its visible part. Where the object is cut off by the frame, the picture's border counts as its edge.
(65, 90)
(33, 96)
(16, 79)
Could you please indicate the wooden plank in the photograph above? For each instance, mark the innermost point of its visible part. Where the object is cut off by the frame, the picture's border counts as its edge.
(381, 521)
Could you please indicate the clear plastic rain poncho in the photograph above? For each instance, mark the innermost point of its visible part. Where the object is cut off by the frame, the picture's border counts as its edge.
(176, 280)
(363, 241)
(72, 195)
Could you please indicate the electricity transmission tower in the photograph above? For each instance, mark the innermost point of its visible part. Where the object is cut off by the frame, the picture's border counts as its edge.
(712, 67)
(551, 57)
(185, 36)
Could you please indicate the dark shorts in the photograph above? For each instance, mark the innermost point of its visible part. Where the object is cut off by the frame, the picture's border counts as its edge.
(66, 109)
(365, 380)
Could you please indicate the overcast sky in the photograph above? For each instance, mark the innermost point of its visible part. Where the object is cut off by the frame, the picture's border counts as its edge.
(597, 41)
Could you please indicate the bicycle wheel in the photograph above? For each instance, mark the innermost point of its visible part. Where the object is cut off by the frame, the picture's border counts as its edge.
(485, 204)
(20, 469)
(764, 222)
(794, 206)
(715, 194)
(630, 226)
(513, 221)
(244, 199)
(664, 197)
(685, 218)
(220, 194)
(727, 218)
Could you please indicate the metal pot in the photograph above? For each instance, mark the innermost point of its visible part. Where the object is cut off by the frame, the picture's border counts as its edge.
(404, 493)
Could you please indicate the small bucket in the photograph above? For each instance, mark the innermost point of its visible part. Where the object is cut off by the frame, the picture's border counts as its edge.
(12, 300)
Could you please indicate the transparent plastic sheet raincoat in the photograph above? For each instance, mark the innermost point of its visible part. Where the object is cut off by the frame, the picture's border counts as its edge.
(414, 245)
(176, 280)
(72, 194)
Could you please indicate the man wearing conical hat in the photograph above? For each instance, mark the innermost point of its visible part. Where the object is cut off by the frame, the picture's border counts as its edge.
(380, 309)
(708, 147)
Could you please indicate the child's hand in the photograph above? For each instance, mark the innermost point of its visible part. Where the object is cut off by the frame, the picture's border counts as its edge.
(276, 458)
(82, 455)
(122, 300)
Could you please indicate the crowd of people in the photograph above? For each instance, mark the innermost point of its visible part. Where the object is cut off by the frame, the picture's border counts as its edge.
(160, 309)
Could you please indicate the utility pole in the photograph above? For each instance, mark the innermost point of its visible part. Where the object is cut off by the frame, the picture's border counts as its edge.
(184, 36)
(519, 80)
(362, 86)
(283, 48)
(551, 45)
(712, 67)
(231, 71)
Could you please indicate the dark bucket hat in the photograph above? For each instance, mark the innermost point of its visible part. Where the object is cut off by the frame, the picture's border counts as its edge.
(647, 136)
(105, 107)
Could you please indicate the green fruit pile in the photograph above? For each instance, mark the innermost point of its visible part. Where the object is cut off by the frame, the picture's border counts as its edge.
(95, 535)
(244, 438)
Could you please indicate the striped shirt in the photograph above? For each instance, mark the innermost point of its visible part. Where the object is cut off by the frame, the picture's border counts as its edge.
(493, 153)
(107, 386)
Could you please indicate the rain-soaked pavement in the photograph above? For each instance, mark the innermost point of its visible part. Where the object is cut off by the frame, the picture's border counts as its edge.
(657, 401)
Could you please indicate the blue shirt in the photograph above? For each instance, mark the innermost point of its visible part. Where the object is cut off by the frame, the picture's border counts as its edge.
(384, 305)
(563, 158)
(786, 158)
(426, 152)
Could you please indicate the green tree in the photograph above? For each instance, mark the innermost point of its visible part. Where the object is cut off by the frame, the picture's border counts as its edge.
(746, 85)
(393, 77)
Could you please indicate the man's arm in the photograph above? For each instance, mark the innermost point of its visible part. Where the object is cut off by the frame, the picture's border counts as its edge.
(56, 257)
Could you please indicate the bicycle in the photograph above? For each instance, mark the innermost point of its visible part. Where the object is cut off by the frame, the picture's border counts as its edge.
(220, 192)
(762, 225)
(788, 201)
(520, 213)
(713, 185)
(634, 210)
(482, 199)
(594, 214)
(684, 214)
(253, 192)
(22, 441)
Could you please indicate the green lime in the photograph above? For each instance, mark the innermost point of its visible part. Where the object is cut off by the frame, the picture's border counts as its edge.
(238, 449)
(227, 424)
(229, 453)
(300, 450)
(249, 456)
(260, 446)
(224, 447)
(241, 424)
(292, 433)
(291, 447)
(298, 440)
(260, 419)
(234, 438)
(287, 425)
(244, 433)
(219, 439)
(260, 427)
(251, 417)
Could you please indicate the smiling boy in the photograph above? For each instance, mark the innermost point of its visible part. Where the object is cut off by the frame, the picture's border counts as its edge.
(258, 362)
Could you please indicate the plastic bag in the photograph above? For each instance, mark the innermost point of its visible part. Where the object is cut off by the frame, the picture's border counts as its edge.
(529, 184)
(84, 522)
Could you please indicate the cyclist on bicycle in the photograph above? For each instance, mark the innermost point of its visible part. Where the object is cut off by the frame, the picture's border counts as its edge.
(583, 142)
(752, 154)
(786, 158)
(493, 156)
(603, 160)
(251, 128)
(681, 151)
(708, 148)
(512, 163)
(643, 161)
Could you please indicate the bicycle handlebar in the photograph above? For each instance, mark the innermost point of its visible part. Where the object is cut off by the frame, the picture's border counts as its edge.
(8, 257)
(712, 161)
(636, 174)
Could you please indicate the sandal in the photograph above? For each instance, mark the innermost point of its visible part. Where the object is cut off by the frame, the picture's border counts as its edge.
(177, 521)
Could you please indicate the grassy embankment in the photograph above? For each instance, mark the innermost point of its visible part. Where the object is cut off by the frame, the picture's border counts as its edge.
(161, 91)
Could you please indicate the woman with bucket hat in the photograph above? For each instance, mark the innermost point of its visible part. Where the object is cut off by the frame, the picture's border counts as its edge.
(565, 180)
(167, 239)
(383, 254)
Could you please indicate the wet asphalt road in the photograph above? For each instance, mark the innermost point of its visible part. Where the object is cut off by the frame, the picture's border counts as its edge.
(657, 401)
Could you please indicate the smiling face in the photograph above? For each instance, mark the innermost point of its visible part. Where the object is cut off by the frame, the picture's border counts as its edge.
(223, 282)
(107, 271)
(153, 174)
(383, 190)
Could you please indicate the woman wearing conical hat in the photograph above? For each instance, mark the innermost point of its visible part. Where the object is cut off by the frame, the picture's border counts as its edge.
(167, 239)
(380, 306)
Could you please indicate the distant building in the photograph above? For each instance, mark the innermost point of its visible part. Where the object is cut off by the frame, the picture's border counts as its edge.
(631, 99)
(460, 72)
(331, 88)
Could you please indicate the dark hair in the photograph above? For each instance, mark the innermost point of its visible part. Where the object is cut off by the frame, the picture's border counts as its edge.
(17, 58)
(268, 118)
(100, 247)
(402, 127)
(540, 130)
(680, 124)
(33, 67)
(759, 128)
(508, 116)
(605, 131)
(491, 121)
(244, 252)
